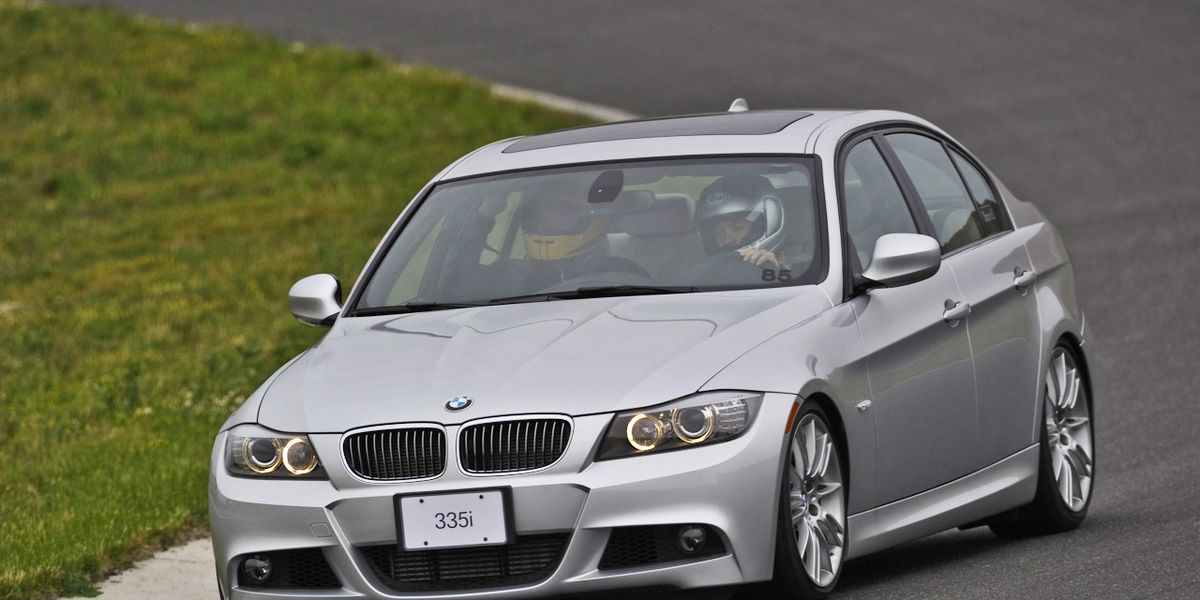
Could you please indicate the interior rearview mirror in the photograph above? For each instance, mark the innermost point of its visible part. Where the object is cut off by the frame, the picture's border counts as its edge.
(901, 259)
(316, 300)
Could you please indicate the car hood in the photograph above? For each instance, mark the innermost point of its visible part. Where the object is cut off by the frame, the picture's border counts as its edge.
(568, 357)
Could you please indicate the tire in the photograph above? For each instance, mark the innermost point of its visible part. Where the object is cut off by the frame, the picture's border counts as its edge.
(1066, 454)
(816, 494)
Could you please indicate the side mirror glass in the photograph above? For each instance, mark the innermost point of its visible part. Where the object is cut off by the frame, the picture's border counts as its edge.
(316, 300)
(901, 259)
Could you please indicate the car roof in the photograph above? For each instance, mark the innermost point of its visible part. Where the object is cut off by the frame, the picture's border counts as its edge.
(736, 133)
(740, 123)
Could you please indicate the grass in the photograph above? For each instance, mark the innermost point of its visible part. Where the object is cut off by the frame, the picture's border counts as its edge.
(161, 187)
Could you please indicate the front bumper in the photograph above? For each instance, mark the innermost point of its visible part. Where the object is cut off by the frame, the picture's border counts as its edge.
(730, 487)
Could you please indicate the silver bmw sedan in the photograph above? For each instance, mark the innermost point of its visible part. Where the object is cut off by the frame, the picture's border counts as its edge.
(681, 353)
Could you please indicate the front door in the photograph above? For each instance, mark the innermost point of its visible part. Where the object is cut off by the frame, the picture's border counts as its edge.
(921, 376)
(922, 385)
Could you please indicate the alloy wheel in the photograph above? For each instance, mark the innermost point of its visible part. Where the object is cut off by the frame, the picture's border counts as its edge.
(1068, 430)
(817, 497)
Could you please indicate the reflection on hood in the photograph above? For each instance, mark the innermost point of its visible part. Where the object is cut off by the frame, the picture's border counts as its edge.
(574, 357)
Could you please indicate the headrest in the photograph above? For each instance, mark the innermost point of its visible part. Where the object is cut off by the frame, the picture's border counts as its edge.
(672, 215)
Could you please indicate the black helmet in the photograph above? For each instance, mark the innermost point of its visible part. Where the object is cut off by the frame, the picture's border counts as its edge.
(749, 197)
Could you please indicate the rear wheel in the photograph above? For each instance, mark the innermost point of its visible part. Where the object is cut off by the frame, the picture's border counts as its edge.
(811, 542)
(1067, 455)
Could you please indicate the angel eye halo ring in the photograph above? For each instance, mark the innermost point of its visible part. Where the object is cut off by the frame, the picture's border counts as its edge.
(261, 455)
(705, 418)
(694, 424)
(644, 432)
(254, 451)
(298, 457)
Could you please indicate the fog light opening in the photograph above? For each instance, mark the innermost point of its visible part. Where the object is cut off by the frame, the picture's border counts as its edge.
(692, 538)
(257, 569)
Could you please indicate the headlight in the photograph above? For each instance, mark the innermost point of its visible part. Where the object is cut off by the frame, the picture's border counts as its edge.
(253, 451)
(701, 419)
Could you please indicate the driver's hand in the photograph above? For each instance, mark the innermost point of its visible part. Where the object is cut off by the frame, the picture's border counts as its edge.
(759, 257)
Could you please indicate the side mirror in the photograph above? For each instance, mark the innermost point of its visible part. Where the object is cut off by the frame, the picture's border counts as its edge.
(901, 259)
(316, 300)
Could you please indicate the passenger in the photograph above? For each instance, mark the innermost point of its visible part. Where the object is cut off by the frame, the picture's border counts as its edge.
(741, 214)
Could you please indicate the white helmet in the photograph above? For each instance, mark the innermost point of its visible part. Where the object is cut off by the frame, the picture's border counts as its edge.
(749, 197)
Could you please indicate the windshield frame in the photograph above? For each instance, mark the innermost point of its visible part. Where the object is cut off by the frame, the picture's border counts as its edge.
(814, 164)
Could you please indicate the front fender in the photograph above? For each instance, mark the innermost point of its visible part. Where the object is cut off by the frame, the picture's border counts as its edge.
(248, 411)
(821, 355)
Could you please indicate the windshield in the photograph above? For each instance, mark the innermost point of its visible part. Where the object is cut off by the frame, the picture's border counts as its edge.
(668, 226)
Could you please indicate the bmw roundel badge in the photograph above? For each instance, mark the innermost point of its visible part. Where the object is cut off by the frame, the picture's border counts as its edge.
(458, 403)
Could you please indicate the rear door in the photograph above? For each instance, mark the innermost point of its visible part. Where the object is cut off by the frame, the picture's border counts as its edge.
(995, 276)
(922, 383)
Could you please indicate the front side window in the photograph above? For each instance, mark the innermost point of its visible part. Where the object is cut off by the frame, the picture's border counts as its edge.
(941, 190)
(662, 226)
(873, 201)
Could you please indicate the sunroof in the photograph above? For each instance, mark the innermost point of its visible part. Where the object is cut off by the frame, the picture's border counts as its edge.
(746, 123)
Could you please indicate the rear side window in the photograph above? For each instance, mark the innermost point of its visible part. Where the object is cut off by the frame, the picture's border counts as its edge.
(874, 204)
(937, 182)
(991, 218)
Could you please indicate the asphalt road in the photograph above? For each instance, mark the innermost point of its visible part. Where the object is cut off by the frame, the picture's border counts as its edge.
(1087, 108)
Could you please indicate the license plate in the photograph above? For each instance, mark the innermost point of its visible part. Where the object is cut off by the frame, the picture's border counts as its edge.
(453, 520)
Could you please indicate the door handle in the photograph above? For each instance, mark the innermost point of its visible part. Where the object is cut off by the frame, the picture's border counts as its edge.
(1022, 279)
(955, 311)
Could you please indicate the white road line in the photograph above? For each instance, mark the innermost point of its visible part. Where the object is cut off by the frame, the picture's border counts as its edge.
(181, 573)
(562, 103)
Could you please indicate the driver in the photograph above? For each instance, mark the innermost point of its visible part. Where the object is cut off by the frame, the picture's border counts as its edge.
(564, 239)
(741, 214)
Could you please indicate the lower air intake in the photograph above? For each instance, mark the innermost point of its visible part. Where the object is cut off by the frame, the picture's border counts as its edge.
(532, 558)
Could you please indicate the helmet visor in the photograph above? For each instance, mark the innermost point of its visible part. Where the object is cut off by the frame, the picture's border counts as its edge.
(542, 216)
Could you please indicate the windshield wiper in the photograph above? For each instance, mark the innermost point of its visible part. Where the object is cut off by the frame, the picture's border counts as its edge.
(583, 292)
(411, 307)
(596, 292)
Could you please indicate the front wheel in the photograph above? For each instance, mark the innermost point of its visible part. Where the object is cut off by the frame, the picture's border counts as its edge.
(811, 542)
(1066, 454)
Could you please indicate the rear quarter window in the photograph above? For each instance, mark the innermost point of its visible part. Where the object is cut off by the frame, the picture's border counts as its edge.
(991, 214)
